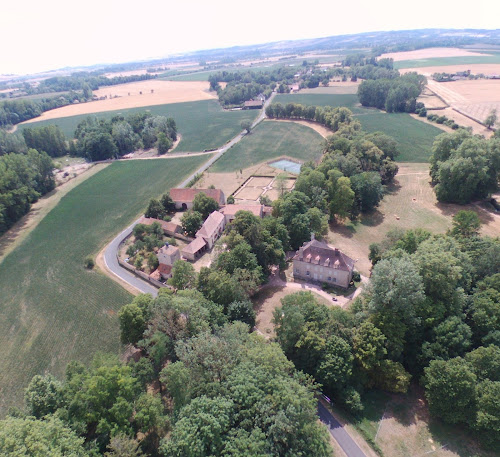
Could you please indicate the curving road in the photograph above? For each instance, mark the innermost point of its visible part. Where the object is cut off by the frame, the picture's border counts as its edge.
(339, 433)
(111, 251)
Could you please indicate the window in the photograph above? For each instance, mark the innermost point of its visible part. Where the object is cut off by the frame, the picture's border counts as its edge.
(329, 278)
(308, 274)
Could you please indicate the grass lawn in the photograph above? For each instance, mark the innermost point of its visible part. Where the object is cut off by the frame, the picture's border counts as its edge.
(321, 99)
(202, 124)
(52, 309)
(407, 429)
(414, 137)
(442, 61)
(268, 140)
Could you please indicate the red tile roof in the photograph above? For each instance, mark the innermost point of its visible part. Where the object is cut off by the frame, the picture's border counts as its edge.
(254, 103)
(164, 269)
(211, 225)
(187, 195)
(170, 227)
(320, 253)
(194, 246)
(231, 210)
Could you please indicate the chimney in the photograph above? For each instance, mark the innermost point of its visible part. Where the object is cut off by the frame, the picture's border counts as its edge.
(312, 236)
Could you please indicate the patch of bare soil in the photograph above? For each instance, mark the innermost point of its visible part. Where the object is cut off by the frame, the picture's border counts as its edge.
(16, 234)
(430, 53)
(137, 94)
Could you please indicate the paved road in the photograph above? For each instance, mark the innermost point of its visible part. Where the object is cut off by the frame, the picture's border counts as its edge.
(111, 251)
(339, 433)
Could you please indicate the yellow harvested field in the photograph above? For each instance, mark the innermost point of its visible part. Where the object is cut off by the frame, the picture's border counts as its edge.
(409, 203)
(429, 53)
(470, 98)
(154, 92)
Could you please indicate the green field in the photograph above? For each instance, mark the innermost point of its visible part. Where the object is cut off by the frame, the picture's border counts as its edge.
(414, 138)
(349, 100)
(268, 140)
(52, 310)
(442, 61)
(203, 124)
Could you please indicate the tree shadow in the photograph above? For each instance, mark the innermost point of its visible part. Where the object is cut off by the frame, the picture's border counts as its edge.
(483, 209)
(373, 218)
(347, 231)
(393, 187)
(11, 235)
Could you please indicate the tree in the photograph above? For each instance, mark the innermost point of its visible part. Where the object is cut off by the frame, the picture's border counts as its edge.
(44, 395)
(30, 437)
(465, 224)
(183, 275)
(246, 125)
(491, 120)
(342, 199)
(204, 205)
(191, 222)
(335, 368)
(280, 181)
(132, 323)
(152, 261)
(167, 203)
(368, 190)
(155, 209)
(368, 346)
(163, 143)
(455, 404)
(123, 446)
(241, 311)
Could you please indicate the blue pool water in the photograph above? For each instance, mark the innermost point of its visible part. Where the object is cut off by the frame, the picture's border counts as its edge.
(287, 165)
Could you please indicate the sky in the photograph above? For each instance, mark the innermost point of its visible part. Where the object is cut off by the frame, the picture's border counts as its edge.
(40, 35)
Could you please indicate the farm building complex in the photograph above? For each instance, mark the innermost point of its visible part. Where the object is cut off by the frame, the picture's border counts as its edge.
(183, 198)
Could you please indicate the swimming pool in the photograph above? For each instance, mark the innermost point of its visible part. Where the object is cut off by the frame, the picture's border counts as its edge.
(287, 165)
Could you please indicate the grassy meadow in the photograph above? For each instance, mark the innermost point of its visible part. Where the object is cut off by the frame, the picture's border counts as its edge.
(52, 310)
(268, 140)
(414, 138)
(490, 57)
(202, 124)
(321, 99)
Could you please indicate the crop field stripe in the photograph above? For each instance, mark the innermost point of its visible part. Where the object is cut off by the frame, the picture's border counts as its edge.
(414, 138)
(269, 140)
(202, 124)
(52, 310)
(494, 58)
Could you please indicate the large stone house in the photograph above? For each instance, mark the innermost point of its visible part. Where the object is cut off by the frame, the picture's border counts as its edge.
(317, 261)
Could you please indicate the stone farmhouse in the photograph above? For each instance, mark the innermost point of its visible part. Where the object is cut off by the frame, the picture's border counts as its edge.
(167, 255)
(317, 261)
(209, 233)
(183, 198)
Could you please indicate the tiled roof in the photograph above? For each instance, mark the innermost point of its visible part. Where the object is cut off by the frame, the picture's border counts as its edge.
(170, 227)
(211, 225)
(195, 245)
(164, 269)
(169, 250)
(187, 195)
(155, 275)
(253, 103)
(231, 210)
(320, 253)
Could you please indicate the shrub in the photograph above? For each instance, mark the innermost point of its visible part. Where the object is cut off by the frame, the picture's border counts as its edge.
(356, 277)
(89, 262)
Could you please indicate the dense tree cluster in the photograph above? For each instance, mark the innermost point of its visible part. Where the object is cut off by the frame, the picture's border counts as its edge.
(101, 139)
(464, 166)
(436, 299)
(49, 139)
(201, 387)
(24, 177)
(353, 170)
(394, 95)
